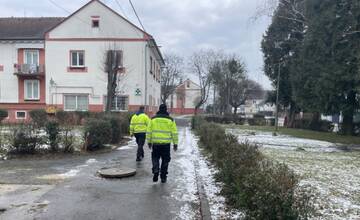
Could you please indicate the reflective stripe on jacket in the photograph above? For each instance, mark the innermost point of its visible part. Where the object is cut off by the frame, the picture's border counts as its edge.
(139, 123)
(162, 130)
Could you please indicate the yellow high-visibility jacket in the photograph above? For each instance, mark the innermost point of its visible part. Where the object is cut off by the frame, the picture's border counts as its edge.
(139, 123)
(162, 130)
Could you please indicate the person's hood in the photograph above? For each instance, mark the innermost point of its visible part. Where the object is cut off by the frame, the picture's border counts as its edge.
(139, 112)
(162, 113)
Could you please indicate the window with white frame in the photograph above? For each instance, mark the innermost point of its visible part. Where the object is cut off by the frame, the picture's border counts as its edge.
(77, 59)
(20, 115)
(120, 103)
(31, 57)
(32, 89)
(76, 102)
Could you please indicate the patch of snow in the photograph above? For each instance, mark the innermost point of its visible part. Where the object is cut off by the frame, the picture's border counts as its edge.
(91, 160)
(70, 173)
(285, 142)
(186, 188)
(127, 147)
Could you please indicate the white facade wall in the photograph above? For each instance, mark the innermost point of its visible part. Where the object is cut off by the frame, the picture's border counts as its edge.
(94, 81)
(111, 25)
(8, 81)
(192, 94)
(154, 87)
(77, 33)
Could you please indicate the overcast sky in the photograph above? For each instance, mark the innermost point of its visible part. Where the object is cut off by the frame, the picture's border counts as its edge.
(178, 26)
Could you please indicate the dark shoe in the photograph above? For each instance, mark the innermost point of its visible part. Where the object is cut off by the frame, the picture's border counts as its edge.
(138, 159)
(155, 177)
(163, 180)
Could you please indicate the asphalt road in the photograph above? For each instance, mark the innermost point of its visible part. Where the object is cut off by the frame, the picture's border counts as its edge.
(68, 187)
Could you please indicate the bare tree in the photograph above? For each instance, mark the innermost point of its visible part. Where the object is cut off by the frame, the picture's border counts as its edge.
(293, 10)
(242, 91)
(228, 73)
(112, 66)
(171, 75)
(202, 64)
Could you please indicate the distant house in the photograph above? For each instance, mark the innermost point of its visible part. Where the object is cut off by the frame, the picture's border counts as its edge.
(185, 97)
(256, 103)
(59, 62)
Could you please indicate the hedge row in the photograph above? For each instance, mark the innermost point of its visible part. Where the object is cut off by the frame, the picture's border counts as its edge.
(59, 132)
(225, 119)
(252, 183)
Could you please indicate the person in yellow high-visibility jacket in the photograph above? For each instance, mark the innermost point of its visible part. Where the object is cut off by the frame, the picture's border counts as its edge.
(138, 126)
(161, 132)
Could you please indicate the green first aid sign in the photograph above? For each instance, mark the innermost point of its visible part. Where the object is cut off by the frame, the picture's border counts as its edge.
(137, 92)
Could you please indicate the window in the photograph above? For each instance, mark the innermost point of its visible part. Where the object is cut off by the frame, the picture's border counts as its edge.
(77, 59)
(188, 84)
(32, 90)
(20, 115)
(31, 57)
(95, 23)
(76, 102)
(151, 65)
(120, 103)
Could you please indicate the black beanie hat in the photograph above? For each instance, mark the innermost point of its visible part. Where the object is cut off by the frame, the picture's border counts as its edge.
(163, 108)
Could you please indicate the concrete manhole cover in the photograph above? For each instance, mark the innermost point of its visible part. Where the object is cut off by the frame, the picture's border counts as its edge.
(116, 172)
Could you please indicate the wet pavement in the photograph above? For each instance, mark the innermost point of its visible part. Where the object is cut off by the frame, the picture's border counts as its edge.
(68, 187)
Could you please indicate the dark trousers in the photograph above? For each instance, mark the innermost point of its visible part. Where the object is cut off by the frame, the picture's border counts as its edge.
(140, 141)
(160, 152)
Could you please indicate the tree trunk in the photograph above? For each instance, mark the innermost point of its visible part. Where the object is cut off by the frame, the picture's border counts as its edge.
(347, 127)
(292, 115)
(314, 123)
(196, 110)
(235, 110)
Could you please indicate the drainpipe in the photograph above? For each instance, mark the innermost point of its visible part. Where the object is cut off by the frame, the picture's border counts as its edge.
(146, 73)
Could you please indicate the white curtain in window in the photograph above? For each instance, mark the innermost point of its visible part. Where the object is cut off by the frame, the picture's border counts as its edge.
(83, 103)
(70, 102)
(32, 90)
(35, 89)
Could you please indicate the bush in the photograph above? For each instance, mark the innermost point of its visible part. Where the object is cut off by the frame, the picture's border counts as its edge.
(3, 114)
(23, 140)
(257, 121)
(259, 116)
(52, 130)
(97, 133)
(115, 123)
(67, 140)
(308, 124)
(261, 188)
(225, 119)
(80, 116)
(72, 118)
(39, 117)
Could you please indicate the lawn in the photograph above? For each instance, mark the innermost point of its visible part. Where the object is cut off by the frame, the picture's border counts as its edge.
(306, 134)
(332, 174)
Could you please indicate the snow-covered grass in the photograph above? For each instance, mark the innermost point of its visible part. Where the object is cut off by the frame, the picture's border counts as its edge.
(306, 134)
(333, 174)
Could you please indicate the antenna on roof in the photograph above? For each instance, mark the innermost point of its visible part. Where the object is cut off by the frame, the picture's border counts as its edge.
(137, 15)
(24, 13)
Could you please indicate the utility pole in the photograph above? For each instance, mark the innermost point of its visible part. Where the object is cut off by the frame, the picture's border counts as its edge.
(277, 46)
(277, 100)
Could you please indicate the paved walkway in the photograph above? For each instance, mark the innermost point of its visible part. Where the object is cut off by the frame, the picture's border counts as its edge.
(67, 188)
